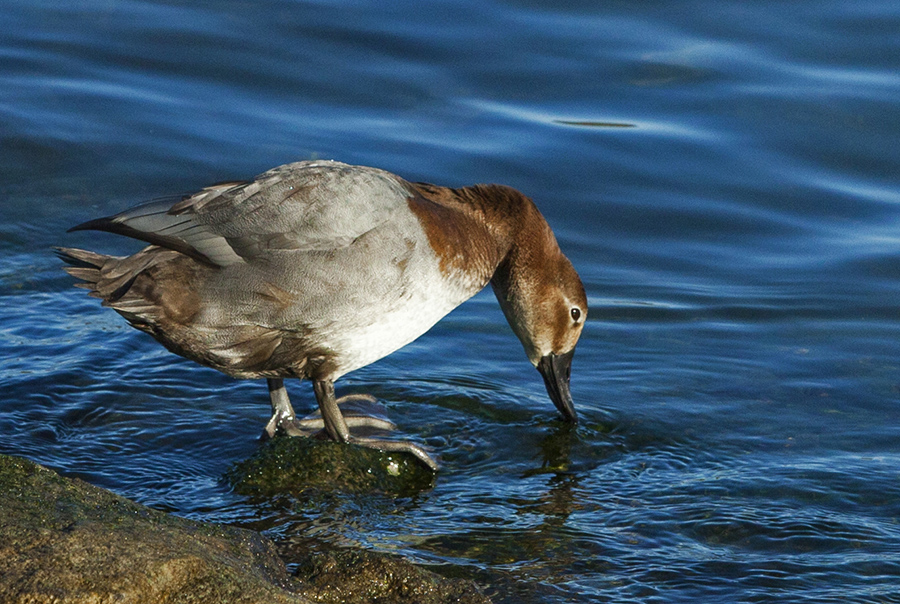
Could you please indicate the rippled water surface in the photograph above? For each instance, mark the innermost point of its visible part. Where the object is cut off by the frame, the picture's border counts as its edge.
(723, 174)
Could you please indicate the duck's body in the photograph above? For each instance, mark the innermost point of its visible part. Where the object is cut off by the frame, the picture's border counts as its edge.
(315, 269)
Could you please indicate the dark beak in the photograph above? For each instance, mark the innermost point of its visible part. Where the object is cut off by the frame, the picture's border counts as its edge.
(556, 368)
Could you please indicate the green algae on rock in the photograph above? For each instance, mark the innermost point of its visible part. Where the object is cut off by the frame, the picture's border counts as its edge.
(292, 465)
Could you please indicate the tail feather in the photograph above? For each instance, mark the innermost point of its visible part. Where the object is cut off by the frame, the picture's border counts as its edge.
(89, 275)
(82, 258)
(98, 273)
(83, 265)
(160, 291)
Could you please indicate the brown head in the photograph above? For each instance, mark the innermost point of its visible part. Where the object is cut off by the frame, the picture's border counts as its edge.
(544, 301)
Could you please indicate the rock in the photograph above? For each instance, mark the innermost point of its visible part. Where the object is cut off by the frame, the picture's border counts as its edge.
(306, 471)
(299, 465)
(353, 576)
(65, 541)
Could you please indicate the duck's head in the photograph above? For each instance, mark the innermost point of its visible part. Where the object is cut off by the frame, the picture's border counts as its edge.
(546, 306)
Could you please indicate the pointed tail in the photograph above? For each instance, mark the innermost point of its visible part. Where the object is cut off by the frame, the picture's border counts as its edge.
(92, 269)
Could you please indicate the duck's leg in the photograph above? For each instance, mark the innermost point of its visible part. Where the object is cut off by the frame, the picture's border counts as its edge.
(284, 417)
(354, 417)
(336, 428)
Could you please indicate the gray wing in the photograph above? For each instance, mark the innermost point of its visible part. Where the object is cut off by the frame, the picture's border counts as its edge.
(307, 206)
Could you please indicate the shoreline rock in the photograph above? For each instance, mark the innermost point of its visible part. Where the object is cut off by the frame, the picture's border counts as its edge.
(63, 540)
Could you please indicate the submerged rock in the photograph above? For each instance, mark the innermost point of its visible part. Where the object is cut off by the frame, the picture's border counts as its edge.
(63, 540)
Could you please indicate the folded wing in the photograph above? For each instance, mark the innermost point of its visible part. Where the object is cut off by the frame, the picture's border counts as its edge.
(315, 206)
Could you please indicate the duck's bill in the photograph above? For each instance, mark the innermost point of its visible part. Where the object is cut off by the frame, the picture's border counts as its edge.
(555, 369)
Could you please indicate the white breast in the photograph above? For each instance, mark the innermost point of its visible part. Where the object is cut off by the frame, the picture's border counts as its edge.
(393, 321)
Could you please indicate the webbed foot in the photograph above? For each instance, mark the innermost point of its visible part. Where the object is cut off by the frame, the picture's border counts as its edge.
(337, 429)
(403, 446)
(360, 411)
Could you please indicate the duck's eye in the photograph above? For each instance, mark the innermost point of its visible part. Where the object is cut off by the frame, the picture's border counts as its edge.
(576, 314)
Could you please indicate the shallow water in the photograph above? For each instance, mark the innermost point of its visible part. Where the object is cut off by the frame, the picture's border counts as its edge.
(722, 174)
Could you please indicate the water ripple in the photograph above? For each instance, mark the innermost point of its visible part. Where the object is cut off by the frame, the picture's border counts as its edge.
(722, 175)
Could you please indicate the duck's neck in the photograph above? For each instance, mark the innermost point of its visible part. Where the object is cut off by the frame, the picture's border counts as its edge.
(493, 228)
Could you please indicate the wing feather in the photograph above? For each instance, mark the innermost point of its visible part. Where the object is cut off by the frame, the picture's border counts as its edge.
(305, 206)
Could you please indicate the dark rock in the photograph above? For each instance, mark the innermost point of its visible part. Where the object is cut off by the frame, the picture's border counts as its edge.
(296, 465)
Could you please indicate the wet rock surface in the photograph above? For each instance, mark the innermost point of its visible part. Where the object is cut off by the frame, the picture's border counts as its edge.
(63, 540)
(372, 578)
(297, 465)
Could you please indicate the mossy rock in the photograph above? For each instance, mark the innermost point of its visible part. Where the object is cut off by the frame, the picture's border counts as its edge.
(293, 465)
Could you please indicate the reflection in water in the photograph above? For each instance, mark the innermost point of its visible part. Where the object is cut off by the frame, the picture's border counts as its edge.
(556, 448)
(556, 504)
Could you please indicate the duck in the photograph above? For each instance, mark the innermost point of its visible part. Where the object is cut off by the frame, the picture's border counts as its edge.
(314, 269)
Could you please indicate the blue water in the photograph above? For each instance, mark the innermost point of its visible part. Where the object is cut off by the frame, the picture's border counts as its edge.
(723, 174)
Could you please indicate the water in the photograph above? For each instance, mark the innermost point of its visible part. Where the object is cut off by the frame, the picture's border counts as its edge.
(722, 174)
